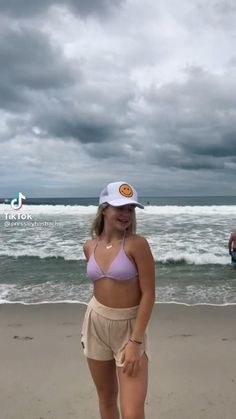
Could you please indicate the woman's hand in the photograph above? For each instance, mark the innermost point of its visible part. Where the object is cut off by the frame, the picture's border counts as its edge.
(132, 358)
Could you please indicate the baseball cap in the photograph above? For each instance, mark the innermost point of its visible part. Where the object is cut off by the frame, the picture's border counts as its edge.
(119, 193)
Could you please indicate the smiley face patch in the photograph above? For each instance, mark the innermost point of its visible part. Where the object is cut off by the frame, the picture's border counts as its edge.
(126, 190)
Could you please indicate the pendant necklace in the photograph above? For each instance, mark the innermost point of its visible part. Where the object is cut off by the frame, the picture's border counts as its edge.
(109, 245)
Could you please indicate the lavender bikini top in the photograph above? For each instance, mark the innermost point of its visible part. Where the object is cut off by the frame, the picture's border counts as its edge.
(120, 269)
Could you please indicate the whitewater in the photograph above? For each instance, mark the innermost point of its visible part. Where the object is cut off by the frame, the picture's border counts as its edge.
(42, 259)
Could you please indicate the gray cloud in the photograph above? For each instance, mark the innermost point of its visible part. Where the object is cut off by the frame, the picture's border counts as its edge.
(30, 8)
(86, 132)
(218, 13)
(110, 99)
(191, 122)
(29, 63)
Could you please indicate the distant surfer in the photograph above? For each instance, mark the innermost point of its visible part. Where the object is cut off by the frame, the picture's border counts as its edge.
(232, 249)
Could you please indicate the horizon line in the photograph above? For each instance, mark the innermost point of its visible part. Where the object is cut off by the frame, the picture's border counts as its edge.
(141, 196)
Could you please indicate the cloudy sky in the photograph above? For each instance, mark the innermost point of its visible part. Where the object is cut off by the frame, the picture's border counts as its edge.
(98, 91)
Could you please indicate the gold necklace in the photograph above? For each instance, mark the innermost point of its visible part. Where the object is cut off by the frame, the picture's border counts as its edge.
(110, 245)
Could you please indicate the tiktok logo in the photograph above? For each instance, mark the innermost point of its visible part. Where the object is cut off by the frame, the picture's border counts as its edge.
(17, 205)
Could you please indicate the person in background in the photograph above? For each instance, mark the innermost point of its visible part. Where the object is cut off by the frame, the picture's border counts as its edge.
(114, 333)
(232, 249)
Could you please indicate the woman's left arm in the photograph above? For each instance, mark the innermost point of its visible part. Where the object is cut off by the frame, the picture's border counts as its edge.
(146, 269)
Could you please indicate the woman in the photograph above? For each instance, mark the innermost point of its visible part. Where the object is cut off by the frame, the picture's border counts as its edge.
(114, 332)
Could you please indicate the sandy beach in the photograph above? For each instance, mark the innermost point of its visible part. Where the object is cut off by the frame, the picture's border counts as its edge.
(44, 374)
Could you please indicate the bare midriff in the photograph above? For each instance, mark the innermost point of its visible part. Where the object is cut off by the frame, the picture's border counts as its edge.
(117, 294)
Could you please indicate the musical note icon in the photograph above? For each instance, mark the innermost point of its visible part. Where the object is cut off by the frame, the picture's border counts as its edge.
(18, 205)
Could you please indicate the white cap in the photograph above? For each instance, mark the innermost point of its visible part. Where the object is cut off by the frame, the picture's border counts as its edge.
(119, 193)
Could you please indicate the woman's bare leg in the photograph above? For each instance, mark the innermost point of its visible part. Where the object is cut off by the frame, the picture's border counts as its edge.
(105, 379)
(133, 391)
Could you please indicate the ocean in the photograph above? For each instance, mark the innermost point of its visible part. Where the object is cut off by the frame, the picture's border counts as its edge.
(41, 249)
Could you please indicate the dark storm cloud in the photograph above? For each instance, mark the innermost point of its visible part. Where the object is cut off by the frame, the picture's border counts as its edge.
(29, 63)
(125, 93)
(225, 146)
(85, 132)
(38, 80)
(172, 159)
(188, 122)
(31, 8)
(88, 115)
(84, 117)
(106, 151)
(182, 125)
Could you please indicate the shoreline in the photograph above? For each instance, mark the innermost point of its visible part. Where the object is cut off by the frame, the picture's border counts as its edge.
(71, 302)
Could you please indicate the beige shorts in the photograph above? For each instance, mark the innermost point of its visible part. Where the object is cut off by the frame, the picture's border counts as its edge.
(106, 331)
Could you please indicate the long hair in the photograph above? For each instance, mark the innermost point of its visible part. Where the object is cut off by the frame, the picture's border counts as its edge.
(98, 222)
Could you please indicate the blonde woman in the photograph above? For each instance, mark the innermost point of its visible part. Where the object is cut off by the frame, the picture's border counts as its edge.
(114, 334)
